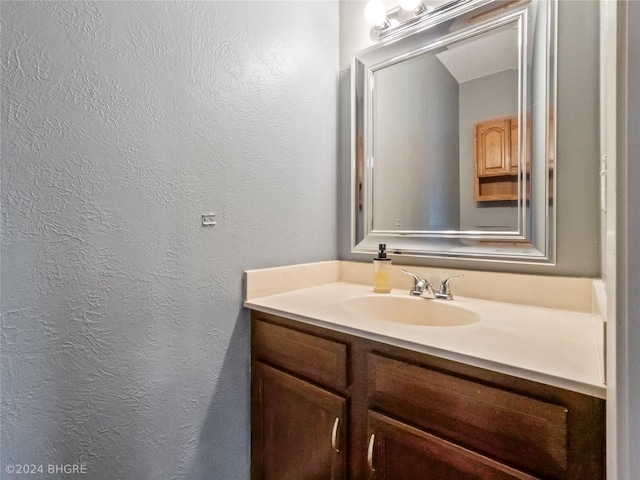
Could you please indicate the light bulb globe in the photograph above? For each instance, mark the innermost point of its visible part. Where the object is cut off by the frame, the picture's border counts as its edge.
(410, 5)
(375, 12)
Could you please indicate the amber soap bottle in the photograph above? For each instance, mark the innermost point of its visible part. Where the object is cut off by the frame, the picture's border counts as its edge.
(382, 271)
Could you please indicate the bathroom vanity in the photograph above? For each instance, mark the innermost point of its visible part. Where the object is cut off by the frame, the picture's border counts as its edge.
(359, 399)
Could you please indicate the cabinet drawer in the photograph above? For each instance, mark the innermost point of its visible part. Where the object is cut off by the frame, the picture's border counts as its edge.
(400, 452)
(521, 431)
(317, 359)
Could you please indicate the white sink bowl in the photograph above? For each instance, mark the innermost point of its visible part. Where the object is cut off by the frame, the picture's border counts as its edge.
(410, 310)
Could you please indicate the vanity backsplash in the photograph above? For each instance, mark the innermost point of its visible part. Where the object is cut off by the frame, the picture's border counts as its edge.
(564, 293)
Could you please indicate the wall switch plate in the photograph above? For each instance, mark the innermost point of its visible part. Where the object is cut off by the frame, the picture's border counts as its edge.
(208, 219)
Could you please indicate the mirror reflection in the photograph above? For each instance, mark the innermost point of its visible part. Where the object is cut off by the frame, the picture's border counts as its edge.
(445, 137)
(453, 136)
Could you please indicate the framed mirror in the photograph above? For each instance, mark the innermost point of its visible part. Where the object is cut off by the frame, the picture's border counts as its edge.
(453, 135)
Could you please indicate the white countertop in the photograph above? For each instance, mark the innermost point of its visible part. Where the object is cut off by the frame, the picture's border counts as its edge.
(552, 346)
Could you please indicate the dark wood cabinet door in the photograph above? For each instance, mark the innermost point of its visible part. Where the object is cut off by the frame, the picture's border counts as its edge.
(298, 429)
(398, 451)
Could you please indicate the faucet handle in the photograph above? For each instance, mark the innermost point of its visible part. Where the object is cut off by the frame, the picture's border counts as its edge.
(419, 285)
(415, 290)
(415, 277)
(445, 289)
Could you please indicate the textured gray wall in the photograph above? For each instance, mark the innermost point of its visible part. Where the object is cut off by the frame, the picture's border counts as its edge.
(578, 218)
(124, 344)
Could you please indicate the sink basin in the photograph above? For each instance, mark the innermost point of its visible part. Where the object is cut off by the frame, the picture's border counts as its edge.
(410, 310)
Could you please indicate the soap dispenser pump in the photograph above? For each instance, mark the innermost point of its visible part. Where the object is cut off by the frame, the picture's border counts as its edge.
(382, 271)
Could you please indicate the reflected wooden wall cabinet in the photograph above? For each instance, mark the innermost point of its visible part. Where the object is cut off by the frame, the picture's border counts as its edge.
(496, 160)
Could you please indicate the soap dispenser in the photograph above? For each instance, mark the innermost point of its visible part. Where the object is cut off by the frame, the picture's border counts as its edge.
(382, 271)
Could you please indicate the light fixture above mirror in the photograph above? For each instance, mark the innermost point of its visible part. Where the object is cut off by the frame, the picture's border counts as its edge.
(408, 13)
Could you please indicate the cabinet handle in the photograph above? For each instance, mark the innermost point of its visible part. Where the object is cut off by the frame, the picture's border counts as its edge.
(372, 440)
(334, 435)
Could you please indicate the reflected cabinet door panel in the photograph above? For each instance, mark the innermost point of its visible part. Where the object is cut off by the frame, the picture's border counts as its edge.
(398, 451)
(298, 429)
(514, 146)
(493, 148)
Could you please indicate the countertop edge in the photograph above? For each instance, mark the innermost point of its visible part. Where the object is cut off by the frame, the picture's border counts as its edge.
(594, 390)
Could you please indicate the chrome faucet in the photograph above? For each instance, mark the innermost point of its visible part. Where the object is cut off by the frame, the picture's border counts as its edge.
(423, 288)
